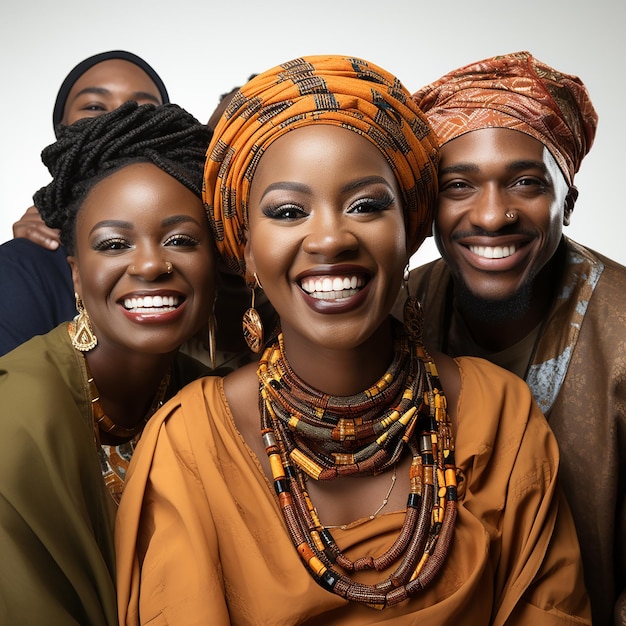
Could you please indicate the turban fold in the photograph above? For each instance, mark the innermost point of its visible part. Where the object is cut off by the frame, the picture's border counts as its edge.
(519, 92)
(341, 91)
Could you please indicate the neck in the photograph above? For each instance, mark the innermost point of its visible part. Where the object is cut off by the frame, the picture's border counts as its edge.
(127, 384)
(340, 371)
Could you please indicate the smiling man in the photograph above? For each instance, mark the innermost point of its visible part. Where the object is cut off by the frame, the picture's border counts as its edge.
(511, 288)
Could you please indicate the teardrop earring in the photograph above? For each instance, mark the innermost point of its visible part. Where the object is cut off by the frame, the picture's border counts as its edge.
(81, 332)
(252, 324)
(412, 312)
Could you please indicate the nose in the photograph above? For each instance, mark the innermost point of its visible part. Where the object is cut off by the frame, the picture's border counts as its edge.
(150, 264)
(329, 236)
(490, 209)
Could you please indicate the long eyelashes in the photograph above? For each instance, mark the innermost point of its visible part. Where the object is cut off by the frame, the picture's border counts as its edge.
(113, 243)
(291, 211)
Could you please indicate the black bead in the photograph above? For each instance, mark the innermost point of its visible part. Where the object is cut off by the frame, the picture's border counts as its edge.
(281, 486)
(328, 580)
(414, 500)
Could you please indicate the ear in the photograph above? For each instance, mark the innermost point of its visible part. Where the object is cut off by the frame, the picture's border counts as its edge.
(570, 201)
(249, 260)
(73, 263)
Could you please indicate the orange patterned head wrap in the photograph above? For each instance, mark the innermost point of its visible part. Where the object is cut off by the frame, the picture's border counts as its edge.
(515, 91)
(336, 90)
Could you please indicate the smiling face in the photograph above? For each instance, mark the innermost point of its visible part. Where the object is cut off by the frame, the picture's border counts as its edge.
(130, 228)
(105, 87)
(326, 235)
(484, 175)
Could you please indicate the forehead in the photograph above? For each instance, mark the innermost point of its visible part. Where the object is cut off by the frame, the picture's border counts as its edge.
(137, 192)
(115, 75)
(502, 144)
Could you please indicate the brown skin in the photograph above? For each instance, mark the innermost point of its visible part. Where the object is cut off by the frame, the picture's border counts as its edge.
(483, 175)
(129, 227)
(101, 89)
(329, 204)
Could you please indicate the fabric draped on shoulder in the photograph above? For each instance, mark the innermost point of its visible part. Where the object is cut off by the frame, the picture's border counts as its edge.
(200, 538)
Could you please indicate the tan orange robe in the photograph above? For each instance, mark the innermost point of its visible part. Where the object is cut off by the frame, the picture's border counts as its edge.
(201, 540)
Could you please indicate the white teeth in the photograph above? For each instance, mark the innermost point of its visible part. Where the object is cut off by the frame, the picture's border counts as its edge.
(155, 303)
(332, 287)
(493, 252)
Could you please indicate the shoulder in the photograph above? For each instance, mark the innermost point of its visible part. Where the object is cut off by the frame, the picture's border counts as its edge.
(469, 381)
(483, 381)
(495, 405)
(241, 389)
(501, 435)
(26, 256)
(607, 269)
(43, 399)
(44, 359)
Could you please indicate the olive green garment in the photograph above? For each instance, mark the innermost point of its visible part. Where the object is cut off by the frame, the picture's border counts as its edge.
(56, 516)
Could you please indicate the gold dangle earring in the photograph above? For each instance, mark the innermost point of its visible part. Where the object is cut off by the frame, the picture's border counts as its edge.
(252, 324)
(81, 332)
(412, 312)
(212, 334)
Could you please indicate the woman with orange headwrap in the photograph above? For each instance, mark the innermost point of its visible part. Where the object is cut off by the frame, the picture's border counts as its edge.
(334, 482)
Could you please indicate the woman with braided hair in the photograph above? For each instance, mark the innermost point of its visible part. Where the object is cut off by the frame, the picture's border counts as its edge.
(335, 482)
(35, 279)
(126, 196)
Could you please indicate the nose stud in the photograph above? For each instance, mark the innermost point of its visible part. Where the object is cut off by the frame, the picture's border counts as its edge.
(169, 267)
(510, 215)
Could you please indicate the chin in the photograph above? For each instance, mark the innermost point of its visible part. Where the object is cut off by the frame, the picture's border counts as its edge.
(495, 308)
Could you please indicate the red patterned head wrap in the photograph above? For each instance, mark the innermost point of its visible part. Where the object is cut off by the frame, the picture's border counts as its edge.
(515, 91)
(341, 91)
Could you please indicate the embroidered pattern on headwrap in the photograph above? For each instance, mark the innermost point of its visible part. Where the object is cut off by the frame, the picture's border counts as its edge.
(519, 92)
(341, 91)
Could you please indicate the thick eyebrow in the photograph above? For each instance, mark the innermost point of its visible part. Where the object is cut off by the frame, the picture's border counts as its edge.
(115, 223)
(101, 91)
(526, 164)
(362, 182)
(459, 168)
(293, 186)
(168, 221)
(179, 219)
(514, 166)
(287, 186)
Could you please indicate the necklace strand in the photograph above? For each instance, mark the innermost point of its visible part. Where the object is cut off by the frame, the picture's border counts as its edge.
(114, 459)
(307, 433)
(376, 513)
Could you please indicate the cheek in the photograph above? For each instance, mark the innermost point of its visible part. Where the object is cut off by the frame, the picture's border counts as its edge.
(445, 217)
(266, 256)
(99, 273)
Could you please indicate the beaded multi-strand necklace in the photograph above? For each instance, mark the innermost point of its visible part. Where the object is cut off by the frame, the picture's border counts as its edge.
(309, 433)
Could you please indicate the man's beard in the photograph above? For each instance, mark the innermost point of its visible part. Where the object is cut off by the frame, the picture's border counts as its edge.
(494, 311)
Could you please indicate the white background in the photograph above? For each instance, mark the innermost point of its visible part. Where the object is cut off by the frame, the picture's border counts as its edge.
(202, 49)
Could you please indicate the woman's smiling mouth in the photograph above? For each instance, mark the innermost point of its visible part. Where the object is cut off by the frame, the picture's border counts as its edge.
(332, 287)
(152, 304)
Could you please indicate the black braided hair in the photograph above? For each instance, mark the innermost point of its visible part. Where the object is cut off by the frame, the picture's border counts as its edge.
(91, 149)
